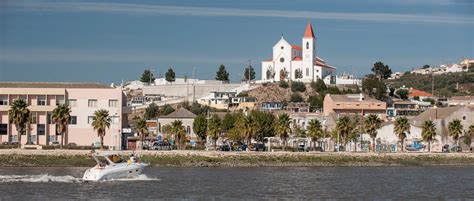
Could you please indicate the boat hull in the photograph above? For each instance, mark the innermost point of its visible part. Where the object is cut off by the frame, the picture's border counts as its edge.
(116, 171)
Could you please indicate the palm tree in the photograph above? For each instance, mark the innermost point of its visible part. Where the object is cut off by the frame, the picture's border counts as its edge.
(455, 129)
(61, 116)
(249, 128)
(20, 116)
(282, 128)
(100, 122)
(142, 130)
(344, 128)
(401, 128)
(428, 132)
(178, 130)
(215, 129)
(372, 123)
(315, 131)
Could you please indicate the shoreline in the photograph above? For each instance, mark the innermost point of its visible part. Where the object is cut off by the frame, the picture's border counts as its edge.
(81, 158)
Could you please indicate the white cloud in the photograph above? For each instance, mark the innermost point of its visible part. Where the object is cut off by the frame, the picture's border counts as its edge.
(147, 9)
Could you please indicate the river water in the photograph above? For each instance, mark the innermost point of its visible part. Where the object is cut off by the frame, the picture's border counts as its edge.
(245, 183)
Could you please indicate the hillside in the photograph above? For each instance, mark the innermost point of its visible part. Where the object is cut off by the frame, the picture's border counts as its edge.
(445, 85)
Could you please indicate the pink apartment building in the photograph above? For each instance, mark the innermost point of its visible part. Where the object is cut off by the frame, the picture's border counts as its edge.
(83, 98)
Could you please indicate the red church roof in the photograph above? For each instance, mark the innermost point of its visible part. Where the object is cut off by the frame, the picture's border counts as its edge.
(309, 31)
(296, 58)
(296, 47)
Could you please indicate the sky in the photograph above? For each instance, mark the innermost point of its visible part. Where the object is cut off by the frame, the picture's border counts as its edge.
(110, 41)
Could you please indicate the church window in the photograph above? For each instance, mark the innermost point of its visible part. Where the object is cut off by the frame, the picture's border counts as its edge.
(282, 60)
(307, 71)
(307, 45)
(282, 47)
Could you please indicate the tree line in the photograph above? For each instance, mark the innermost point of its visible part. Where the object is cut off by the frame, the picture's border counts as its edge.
(221, 74)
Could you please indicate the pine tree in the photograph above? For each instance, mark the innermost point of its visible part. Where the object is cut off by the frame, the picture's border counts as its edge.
(249, 71)
(222, 74)
(147, 77)
(170, 75)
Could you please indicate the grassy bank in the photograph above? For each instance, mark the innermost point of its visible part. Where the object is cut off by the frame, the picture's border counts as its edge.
(244, 160)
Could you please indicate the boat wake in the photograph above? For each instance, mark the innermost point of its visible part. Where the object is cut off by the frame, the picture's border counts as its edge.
(42, 178)
(141, 177)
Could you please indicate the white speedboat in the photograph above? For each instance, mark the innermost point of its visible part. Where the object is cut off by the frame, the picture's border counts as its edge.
(112, 166)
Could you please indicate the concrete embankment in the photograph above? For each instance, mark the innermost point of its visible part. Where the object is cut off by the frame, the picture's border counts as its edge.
(81, 158)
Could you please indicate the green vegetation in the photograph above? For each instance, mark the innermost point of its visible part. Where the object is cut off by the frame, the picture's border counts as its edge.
(381, 71)
(20, 116)
(372, 123)
(296, 98)
(428, 132)
(61, 117)
(444, 85)
(455, 129)
(249, 73)
(152, 111)
(401, 128)
(283, 84)
(179, 132)
(200, 126)
(298, 74)
(142, 130)
(215, 129)
(264, 160)
(297, 86)
(100, 122)
(147, 77)
(170, 76)
(222, 74)
(166, 109)
(282, 127)
(318, 86)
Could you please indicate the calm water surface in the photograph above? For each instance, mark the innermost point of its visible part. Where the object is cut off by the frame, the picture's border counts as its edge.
(245, 183)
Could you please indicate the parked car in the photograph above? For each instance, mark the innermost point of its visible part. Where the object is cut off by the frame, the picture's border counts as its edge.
(303, 148)
(257, 147)
(451, 148)
(160, 145)
(55, 143)
(224, 147)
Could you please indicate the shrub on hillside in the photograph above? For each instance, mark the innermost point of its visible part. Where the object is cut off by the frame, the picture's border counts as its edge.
(283, 84)
(298, 87)
(296, 98)
(318, 86)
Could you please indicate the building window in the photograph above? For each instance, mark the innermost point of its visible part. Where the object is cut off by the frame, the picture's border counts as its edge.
(60, 100)
(3, 100)
(282, 47)
(307, 45)
(3, 129)
(41, 129)
(73, 120)
(113, 103)
(13, 138)
(33, 118)
(41, 100)
(188, 130)
(72, 102)
(307, 71)
(51, 138)
(49, 118)
(282, 60)
(463, 117)
(92, 103)
(114, 119)
(90, 119)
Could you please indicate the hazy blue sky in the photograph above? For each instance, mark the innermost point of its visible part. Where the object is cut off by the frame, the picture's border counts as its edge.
(108, 41)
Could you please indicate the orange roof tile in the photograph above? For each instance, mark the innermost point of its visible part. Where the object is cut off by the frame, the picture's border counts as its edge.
(296, 58)
(416, 92)
(268, 60)
(296, 47)
(309, 31)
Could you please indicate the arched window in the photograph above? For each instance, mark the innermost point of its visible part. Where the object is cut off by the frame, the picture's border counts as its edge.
(307, 45)
(307, 71)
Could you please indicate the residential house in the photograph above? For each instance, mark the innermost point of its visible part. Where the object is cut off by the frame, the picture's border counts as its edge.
(182, 115)
(353, 104)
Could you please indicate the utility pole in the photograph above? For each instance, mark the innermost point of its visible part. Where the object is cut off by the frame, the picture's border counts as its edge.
(194, 86)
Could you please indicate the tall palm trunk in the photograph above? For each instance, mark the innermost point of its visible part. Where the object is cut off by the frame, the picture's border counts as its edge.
(101, 142)
(215, 144)
(373, 144)
(429, 146)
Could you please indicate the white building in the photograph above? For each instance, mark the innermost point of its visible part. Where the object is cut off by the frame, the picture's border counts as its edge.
(296, 62)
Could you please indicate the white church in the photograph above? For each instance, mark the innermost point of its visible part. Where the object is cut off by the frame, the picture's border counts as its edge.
(293, 62)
